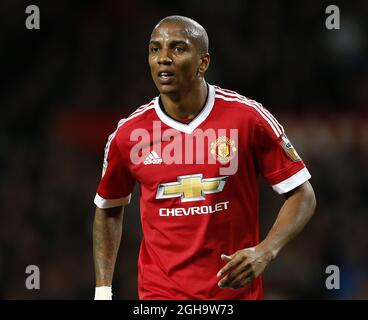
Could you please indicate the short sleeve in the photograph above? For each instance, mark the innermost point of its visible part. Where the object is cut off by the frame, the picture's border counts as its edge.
(278, 161)
(116, 183)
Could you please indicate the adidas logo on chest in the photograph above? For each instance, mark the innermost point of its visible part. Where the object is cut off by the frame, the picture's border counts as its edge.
(152, 158)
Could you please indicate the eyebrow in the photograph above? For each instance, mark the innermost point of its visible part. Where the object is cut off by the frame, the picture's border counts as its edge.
(172, 43)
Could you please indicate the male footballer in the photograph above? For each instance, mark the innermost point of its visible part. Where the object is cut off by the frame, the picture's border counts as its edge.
(196, 151)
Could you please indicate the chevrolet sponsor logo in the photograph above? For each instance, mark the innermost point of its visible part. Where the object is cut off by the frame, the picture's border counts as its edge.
(179, 212)
(191, 187)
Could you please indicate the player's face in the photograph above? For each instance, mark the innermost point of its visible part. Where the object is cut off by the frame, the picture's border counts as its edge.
(173, 59)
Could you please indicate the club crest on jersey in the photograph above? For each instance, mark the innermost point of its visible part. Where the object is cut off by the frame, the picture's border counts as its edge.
(223, 149)
(289, 149)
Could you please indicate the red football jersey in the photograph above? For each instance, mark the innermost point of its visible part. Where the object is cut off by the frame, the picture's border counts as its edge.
(199, 189)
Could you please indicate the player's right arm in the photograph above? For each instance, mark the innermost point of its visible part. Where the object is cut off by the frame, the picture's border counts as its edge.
(113, 193)
(107, 231)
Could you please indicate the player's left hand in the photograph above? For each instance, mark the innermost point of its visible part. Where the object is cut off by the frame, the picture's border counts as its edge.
(243, 266)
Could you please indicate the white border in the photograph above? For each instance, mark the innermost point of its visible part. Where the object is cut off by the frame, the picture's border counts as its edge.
(188, 128)
(292, 182)
(111, 203)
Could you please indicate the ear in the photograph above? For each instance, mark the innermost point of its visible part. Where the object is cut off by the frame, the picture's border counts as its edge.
(204, 63)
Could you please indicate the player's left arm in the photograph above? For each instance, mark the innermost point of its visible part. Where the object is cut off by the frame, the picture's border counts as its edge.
(245, 265)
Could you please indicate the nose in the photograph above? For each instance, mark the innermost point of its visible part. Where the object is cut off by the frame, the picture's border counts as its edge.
(165, 57)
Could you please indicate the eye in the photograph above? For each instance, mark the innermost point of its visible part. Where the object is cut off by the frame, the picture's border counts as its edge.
(154, 49)
(179, 49)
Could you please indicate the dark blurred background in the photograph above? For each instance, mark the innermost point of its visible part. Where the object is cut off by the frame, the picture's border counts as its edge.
(64, 88)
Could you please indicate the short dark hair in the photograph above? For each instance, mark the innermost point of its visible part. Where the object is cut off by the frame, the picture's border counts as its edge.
(193, 28)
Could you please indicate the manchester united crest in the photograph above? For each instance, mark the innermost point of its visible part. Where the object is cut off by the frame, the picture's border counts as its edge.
(223, 149)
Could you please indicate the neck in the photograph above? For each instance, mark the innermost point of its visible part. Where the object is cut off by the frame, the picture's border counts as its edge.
(187, 105)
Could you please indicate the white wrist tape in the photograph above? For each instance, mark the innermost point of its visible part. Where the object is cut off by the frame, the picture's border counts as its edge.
(103, 293)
